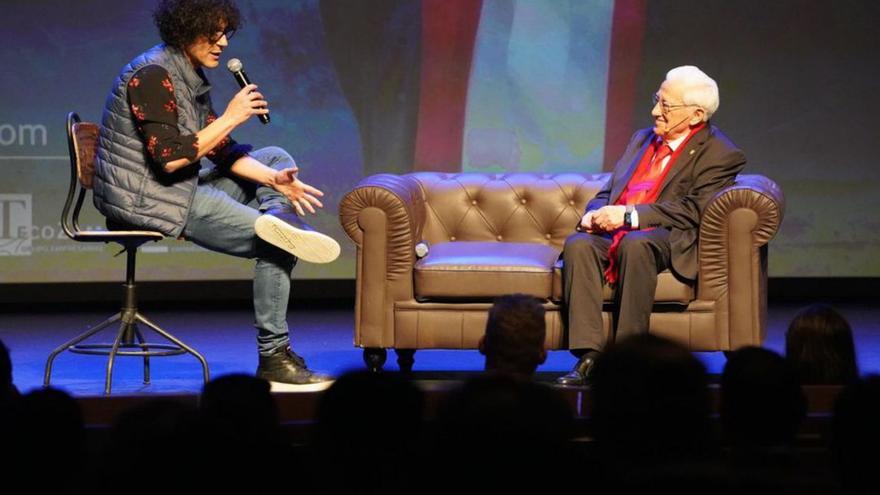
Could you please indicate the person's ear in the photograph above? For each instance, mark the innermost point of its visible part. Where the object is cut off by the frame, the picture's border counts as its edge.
(481, 345)
(698, 116)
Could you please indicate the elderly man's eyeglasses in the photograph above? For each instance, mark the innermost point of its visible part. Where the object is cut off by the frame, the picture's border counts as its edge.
(666, 107)
(229, 33)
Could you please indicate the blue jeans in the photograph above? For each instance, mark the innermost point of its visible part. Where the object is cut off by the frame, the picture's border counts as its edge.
(222, 218)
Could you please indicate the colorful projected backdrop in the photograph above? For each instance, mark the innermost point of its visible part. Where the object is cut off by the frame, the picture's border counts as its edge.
(359, 87)
(538, 87)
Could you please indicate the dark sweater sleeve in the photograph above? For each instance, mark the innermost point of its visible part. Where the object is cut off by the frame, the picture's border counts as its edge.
(154, 107)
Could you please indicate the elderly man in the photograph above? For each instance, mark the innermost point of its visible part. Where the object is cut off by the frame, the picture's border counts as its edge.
(646, 218)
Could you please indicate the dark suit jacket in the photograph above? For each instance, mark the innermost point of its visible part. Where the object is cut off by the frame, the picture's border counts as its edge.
(709, 162)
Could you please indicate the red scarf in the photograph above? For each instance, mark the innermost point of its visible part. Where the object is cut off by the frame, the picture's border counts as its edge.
(643, 188)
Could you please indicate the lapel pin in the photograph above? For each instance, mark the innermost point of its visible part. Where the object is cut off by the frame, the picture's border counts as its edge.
(692, 152)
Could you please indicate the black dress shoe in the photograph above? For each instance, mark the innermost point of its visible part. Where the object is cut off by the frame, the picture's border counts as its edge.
(580, 374)
(285, 366)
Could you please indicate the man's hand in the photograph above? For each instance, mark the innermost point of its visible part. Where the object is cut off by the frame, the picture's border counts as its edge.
(300, 194)
(587, 222)
(608, 218)
(246, 103)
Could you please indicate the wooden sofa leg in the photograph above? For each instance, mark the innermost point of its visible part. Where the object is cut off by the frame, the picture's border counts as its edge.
(375, 357)
(405, 359)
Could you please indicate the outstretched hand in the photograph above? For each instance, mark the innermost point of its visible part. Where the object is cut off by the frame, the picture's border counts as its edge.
(302, 196)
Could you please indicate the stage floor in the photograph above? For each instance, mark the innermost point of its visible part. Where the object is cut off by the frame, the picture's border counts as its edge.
(323, 336)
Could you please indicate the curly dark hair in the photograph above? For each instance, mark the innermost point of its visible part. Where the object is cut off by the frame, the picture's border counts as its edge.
(182, 22)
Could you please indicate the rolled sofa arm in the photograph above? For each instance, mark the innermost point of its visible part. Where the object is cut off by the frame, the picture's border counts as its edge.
(735, 228)
(400, 199)
(751, 209)
(384, 216)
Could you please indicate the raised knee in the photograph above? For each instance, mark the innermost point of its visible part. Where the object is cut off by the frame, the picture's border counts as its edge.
(273, 151)
(274, 156)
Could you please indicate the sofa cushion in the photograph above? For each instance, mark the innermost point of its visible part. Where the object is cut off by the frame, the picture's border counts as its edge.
(485, 269)
(669, 288)
(479, 270)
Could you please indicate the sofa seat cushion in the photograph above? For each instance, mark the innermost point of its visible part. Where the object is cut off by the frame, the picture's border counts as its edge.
(464, 269)
(669, 288)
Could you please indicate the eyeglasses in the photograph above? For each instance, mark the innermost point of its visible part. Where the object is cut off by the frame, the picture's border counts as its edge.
(229, 33)
(666, 107)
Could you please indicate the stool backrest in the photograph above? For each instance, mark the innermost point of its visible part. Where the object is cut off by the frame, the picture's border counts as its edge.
(82, 145)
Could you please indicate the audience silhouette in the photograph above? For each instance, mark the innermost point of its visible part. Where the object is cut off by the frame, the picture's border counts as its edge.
(650, 404)
(368, 435)
(156, 439)
(647, 415)
(856, 436)
(650, 415)
(8, 393)
(47, 430)
(819, 343)
(500, 432)
(7, 388)
(762, 404)
(515, 334)
(241, 433)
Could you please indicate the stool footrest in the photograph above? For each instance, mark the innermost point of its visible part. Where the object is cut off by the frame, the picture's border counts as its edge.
(146, 349)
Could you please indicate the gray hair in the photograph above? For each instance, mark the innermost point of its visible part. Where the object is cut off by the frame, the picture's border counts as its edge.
(699, 89)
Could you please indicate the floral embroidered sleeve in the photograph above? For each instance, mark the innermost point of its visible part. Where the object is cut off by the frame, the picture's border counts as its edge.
(154, 107)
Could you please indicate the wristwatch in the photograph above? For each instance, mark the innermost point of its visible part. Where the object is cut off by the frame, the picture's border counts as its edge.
(627, 216)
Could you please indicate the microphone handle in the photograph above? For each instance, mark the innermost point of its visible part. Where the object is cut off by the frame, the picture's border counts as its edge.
(242, 79)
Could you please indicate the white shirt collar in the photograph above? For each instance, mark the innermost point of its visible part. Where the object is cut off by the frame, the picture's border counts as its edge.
(675, 143)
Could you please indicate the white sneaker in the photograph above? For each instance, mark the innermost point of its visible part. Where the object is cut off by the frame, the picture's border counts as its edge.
(298, 240)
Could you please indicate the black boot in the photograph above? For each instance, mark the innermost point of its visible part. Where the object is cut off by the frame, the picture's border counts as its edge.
(285, 366)
(283, 228)
(580, 374)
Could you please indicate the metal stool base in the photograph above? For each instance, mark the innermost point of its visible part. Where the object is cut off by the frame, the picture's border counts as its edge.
(125, 336)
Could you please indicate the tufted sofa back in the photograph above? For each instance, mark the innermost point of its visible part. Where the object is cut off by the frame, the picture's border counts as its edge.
(518, 207)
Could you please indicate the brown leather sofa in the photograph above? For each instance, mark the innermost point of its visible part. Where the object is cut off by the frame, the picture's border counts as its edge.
(488, 235)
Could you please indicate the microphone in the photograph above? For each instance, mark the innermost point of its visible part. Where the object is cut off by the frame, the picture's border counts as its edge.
(234, 66)
(667, 127)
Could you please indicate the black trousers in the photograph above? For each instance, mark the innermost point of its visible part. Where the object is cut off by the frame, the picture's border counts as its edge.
(641, 255)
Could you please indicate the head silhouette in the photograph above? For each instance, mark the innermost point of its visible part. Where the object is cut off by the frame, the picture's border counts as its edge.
(49, 432)
(761, 399)
(856, 435)
(650, 401)
(515, 333)
(368, 434)
(819, 344)
(501, 432)
(160, 430)
(240, 408)
(7, 389)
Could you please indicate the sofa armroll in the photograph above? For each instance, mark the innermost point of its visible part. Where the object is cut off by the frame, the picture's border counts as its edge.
(735, 228)
(400, 200)
(744, 216)
(384, 216)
